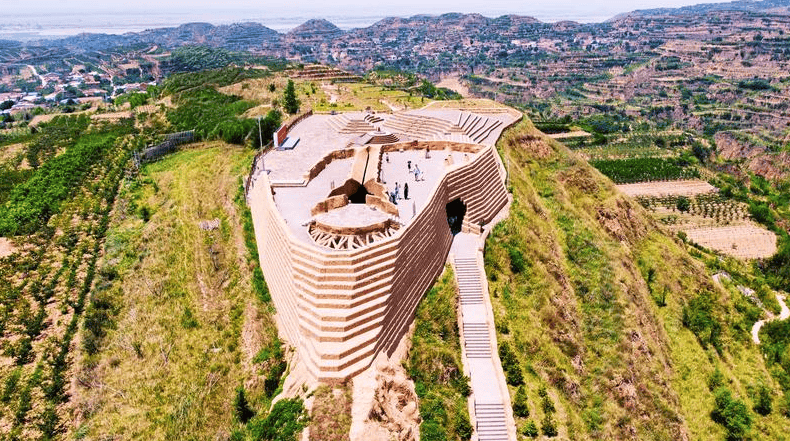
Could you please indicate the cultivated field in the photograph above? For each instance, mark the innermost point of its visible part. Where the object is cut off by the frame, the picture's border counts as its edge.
(686, 187)
(708, 219)
(743, 241)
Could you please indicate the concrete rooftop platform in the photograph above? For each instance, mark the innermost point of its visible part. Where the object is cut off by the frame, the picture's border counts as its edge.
(346, 265)
(324, 160)
(321, 134)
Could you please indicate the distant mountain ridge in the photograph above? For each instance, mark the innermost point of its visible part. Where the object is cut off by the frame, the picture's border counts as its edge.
(247, 36)
(766, 6)
(237, 36)
(252, 36)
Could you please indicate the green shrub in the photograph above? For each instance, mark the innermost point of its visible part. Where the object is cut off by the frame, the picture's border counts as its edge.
(715, 380)
(23, 351)
(284, 423)
(10, 384)
(510, 365)
(530, 429)
(683, 204)
(188, 320)
(290, 101)
(517, 263)
(762, 213)
(145, 213)
(461, 384)
(731, 413)
(463, 428)
(548, 426)
(778, 266)
(521, 403)
(545, 401)
(241, 408)
(430, 430)
(764, 402)
(698, 316)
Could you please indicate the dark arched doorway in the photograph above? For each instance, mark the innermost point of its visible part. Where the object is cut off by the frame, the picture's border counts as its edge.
(355, 191)
(359, 195)
(456, 210)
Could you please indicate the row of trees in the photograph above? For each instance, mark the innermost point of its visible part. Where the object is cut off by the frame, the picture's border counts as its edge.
(33, 202)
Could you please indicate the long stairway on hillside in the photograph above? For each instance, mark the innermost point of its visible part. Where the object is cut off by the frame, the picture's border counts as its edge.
(476, 332)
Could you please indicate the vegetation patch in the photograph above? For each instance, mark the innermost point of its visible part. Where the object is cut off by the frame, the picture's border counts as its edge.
(172, 317)
(434, 363)
(594, 319)
(625, 171)
(330, 419)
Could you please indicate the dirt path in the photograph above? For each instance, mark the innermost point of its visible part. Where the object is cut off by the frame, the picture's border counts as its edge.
(392, 107)
(37, 75)
(783, 315)
(330, 90)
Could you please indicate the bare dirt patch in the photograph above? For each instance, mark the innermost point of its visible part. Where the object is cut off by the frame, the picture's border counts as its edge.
(566, 135)
(10, 151)
(6, 247)
(741, 241)
(690, 187)
(454, 83)
(394, 413)
(111, 116)
(472, 104)
(331, 414)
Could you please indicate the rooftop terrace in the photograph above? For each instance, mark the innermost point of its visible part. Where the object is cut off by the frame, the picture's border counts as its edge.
(366, 156)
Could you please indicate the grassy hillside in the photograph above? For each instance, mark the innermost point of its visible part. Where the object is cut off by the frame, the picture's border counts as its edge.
(434, 363)
(61, 199)
(614, 327)
(175, 326)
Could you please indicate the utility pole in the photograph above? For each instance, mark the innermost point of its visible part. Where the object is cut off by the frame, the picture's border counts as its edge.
(260, 137)
(260, 141)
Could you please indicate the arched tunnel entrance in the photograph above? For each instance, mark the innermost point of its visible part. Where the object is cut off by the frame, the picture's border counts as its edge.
(359, 195)
(456, 210)
(355, 191)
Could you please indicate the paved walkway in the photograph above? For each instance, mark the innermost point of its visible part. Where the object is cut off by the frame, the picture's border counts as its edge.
(493, 422)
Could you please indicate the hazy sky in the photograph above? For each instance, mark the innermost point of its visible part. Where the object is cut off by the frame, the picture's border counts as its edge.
(305, 7)
(33, 19)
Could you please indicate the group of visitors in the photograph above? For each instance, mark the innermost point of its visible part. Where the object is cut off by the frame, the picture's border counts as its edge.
(395, 195)
(415, 171)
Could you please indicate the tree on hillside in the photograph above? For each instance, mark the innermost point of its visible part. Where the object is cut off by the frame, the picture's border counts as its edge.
(290, 102)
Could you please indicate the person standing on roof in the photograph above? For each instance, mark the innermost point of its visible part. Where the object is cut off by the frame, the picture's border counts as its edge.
(406, 190)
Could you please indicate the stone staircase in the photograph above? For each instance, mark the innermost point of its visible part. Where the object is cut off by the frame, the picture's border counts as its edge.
(490, 415)
(491, 424)
(477, 127)
(477, 343)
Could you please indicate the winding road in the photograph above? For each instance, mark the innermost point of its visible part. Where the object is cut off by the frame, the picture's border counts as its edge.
(36, 74)
(783, 315)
